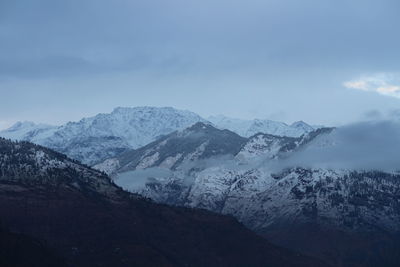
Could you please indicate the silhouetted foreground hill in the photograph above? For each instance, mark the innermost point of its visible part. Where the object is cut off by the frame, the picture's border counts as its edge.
(24, 251)
(88, 221)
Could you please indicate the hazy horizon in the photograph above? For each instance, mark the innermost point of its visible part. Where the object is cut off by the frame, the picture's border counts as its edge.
(6, 126)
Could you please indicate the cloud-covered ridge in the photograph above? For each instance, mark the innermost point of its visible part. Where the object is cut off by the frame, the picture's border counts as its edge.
(373, 145)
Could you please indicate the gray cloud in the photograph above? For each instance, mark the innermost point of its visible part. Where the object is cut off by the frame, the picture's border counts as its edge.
(261, 57)
(221, 33)
(373, 145)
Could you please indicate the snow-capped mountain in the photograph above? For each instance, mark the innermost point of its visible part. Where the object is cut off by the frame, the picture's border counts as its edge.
(136, 126)
(248, 128)
(200, 141)
(93, 139)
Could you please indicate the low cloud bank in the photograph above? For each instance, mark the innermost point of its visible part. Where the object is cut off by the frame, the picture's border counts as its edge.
(364, 146)
(373, 145)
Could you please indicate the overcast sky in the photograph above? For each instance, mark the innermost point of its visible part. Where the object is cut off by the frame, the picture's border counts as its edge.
(322, 61)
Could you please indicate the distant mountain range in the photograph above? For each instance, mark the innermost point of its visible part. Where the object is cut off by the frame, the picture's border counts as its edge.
(249, 128)
(92, 140)
(105, 135)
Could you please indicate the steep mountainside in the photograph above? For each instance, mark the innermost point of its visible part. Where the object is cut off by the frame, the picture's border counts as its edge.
(259, 198)
(31, 164)
(266, 146)
(248, 128)
(105, 135)
(259, 188)
(200, 141)
(87, 220)
(183, 149)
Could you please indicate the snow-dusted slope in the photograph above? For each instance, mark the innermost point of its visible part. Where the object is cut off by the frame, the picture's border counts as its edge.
(93, 139)
(267, 146)
(248, 128)
(200, 141)
(258, 187)
(261, 198)
(27, 131)
(137, 126)
(27, 163)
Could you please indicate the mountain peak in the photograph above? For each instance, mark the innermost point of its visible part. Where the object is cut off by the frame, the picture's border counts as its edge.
(249, 128)
(145, 109)
(200, 126)
(25, 130)
(105, 135)
(298, 123)
(302, 125)
(199, 141)
(20, 125)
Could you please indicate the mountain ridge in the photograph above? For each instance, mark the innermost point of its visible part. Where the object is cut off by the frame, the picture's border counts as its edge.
(107, 134)
(94, 139)
(247, 128)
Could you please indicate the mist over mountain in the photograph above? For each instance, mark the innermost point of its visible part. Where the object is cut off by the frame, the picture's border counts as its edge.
(371, 145)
